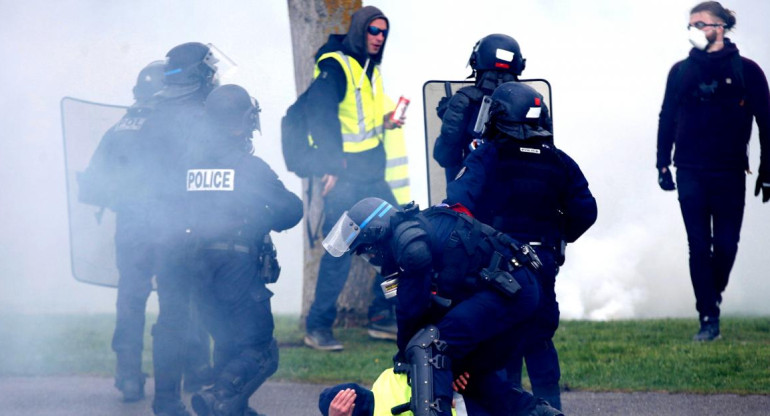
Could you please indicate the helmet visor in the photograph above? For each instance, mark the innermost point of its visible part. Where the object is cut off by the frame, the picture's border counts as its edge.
(341, 236)
(221, 64)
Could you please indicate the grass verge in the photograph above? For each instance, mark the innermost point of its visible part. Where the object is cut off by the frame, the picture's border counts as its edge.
(641, 355)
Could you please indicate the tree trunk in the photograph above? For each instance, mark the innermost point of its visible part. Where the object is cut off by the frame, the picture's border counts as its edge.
(311, 23)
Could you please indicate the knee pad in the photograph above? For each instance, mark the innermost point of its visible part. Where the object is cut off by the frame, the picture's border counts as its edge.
(238, 381)
(245, 373)
(424, 353)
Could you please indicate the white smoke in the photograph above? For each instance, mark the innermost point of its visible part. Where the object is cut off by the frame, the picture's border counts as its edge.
(607, 62)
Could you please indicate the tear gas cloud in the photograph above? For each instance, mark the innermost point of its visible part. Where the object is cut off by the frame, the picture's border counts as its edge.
(607, 62)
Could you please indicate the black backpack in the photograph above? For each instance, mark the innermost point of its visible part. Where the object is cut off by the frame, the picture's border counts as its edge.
(298, 152)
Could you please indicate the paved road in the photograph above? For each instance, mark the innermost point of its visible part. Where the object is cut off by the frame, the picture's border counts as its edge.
(95, 396)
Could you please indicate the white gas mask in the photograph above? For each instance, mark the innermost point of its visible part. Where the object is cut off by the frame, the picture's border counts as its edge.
(698, 38)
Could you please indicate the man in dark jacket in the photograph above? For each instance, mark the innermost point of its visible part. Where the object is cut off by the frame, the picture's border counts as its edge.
(519, 183)
(711, 98)
(346, 116)
(234, 201)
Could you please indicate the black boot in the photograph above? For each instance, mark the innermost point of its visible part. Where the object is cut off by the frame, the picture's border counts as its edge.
(549, 393)
(540, 407)
(251, 412)
(709, 330)
(217, 402)
(132, 386)
(195, 380)
(169, 408)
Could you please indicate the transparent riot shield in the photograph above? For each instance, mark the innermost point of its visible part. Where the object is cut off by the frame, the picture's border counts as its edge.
(432, 93)
(92, 229)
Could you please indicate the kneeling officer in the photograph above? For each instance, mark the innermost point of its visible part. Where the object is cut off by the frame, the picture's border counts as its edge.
(234, 201)
(465, 294)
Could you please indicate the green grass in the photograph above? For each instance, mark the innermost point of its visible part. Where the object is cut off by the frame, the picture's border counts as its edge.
(646, 355)
(658, 355)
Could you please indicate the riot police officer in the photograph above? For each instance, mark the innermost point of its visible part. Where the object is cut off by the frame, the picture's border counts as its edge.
(115, 179)
(464, 294)
(234, 200)
(189, 75)
(495, 59)
(518, 182)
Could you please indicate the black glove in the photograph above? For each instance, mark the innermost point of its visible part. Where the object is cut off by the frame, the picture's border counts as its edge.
(763, 183)
(665, 180)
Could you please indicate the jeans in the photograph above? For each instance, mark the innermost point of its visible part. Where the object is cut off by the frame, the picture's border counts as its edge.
(712, 208)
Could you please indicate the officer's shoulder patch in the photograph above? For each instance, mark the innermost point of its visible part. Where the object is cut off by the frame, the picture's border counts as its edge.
(529, 150)
(461, 173)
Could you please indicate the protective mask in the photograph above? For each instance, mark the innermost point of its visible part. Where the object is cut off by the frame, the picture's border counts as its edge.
(698, 38)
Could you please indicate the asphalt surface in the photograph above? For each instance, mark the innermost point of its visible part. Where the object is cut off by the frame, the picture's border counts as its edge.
(95, 396)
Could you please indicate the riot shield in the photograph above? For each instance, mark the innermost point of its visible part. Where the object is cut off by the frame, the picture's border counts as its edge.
(92, 229)
(432, 93)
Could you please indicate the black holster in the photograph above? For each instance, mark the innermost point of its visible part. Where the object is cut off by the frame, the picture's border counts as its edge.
(269, 269)
(498, 276)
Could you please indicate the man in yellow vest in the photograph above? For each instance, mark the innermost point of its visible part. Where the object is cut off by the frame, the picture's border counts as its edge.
(347, 120)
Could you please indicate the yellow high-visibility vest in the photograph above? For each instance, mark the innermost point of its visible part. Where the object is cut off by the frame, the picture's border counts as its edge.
(363, 107)
(397, 165)
(390, 390)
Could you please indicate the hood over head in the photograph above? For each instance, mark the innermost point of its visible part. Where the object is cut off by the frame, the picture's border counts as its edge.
(355, 40)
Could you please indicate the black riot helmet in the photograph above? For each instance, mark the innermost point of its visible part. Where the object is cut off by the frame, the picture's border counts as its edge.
(189, 67)
(497, 52)
(366, 224)
(231, 109)
(149, 81)
(515, 111)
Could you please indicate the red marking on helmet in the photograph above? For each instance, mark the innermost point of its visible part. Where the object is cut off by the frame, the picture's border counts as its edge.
(502, 65)
(537, 101)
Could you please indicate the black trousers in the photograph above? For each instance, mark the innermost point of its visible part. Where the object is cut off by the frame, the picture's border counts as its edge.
(712, 207)
(538, 349)
(235, 306)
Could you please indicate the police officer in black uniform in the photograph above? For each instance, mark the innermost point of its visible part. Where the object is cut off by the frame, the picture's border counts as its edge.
(464, 294)
(495, 59)
(234, 200)
(189, 75)
(115, 179)
(519, 183)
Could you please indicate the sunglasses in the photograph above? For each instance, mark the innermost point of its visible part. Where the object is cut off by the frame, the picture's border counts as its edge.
(374, 31)
(701, 25)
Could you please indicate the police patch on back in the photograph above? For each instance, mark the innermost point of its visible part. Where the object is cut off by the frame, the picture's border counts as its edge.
(529, 150)
(130, 123)
(211, 180)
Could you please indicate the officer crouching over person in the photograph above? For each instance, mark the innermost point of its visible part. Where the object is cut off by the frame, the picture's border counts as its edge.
(465, 294)
(234, 201)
